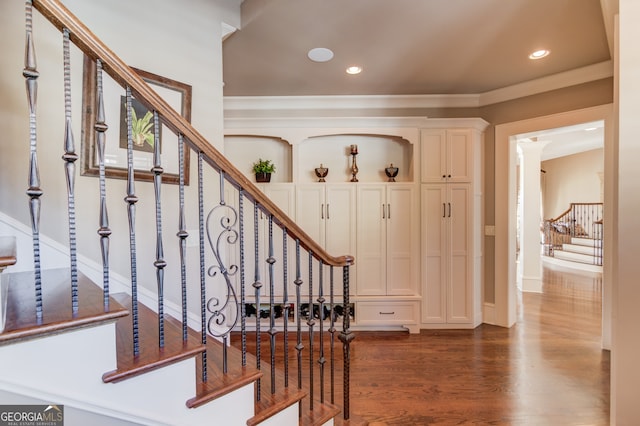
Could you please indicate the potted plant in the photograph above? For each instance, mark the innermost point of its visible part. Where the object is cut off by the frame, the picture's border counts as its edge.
(263, 169)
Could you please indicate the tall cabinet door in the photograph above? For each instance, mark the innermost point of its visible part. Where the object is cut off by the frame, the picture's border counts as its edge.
(459, 291)
(340, 231)
(402, 240)
(434, 253)
(372, 262)
(327, 213)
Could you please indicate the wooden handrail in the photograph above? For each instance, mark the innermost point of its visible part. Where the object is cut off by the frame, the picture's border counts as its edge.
(91, 46)
(567, 211)
(7, 252)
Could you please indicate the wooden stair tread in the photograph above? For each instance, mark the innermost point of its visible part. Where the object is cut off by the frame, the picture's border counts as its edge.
(8, 255)
(218, 383)
(151, 356)
(21, 322)
(272, 403)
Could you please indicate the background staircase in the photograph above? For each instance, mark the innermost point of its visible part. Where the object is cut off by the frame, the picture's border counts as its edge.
(582, 250)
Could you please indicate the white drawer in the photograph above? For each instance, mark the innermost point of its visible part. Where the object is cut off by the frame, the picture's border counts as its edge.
(387, 313)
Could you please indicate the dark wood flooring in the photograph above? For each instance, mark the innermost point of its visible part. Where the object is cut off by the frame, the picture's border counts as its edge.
(548, 369)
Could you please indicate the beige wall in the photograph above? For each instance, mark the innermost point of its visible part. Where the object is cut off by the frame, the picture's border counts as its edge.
(143, 43)
(572, 179)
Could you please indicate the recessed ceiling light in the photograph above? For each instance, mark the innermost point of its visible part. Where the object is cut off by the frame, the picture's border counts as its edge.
(320, 54)
(354, 69)
(590, 129)
(539, 54)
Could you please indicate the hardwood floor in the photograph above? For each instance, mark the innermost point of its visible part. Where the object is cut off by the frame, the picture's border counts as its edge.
(548, 369)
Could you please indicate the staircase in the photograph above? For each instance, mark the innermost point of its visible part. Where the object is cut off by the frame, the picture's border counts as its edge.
(153, 346)
(581, 250)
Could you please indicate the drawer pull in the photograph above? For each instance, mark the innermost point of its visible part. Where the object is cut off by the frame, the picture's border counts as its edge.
(387, 313)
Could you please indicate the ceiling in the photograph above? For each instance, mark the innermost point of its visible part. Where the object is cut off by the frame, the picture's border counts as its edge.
(410, 47)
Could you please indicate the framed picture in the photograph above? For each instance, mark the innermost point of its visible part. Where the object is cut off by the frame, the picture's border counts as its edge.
(176, 94)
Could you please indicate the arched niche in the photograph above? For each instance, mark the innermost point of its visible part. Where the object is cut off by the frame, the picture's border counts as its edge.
(375, 153)
(244, 150)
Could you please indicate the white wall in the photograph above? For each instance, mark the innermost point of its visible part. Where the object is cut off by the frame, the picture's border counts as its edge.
(625, 376)
(572, 179)
(178, 40)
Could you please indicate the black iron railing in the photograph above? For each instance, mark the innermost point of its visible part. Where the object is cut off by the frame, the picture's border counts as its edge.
(225, 247)
(580, 224)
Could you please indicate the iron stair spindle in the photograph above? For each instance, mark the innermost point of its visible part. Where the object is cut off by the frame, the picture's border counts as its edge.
(346, 337)
(243, 296)
(299, 346)
(321, 300)
(34, 191)
(285, 313)
(332, 332)
(104, 231)
(70, 157)
(160, 263)
(182, 235)
(271, 260)
(203, 294)
(257, 285)
(131, 199)
(311, 323)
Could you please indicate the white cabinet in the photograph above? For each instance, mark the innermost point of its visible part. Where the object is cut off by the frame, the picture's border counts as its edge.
(451, 231)
(447, 256)
(388, 240)
(327, 213)
(447, 155)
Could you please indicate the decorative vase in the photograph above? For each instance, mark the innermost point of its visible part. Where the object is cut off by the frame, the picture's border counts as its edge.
(263, 177)
(321, 173)
(391, 173)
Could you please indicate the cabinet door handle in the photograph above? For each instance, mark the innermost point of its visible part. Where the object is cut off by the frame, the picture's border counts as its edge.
(384, 215)
(327, 211)
(322, 211)
(449, 209)
(388, 211)
(388, 313)
(444, 210)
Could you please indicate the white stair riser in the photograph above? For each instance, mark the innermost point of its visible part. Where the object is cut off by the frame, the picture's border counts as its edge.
(586, 242)
(67, 369)
(575, 257)
(576, 248)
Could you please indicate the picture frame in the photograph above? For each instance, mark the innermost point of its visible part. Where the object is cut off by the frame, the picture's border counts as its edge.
(177, 95)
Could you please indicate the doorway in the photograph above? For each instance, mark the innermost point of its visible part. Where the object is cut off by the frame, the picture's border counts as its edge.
(505, 207)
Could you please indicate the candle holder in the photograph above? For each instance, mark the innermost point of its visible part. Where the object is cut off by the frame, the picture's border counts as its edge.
(354, 166)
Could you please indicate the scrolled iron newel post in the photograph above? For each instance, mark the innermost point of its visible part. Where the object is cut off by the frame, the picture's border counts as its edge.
(346, 337)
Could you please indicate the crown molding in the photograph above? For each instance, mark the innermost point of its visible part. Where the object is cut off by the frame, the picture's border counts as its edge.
(254, 104)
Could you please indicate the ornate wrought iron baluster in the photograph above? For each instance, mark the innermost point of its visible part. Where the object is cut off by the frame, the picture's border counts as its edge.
(159, 263)
(243, 298)
(271, 260)
(311, 323)
(346, 336)
(182, 236)
(299, 346)
(285, 311)
(332, 332)
(131, 199)
(70, 158)
(225, 233)
(321, 300)
(203, 292)
(257, 285)
(104, 231)
(34, 191)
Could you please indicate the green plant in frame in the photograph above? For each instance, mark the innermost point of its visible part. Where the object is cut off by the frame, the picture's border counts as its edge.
(141, 128)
